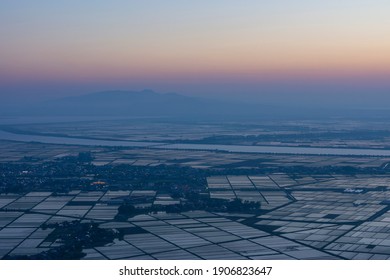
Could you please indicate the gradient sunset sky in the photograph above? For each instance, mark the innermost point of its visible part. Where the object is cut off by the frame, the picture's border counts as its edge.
(252, 48)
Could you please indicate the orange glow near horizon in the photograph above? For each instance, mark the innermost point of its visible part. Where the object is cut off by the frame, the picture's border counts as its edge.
(199, 41)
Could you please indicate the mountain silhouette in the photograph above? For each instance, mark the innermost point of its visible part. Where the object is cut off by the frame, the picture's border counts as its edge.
(146, 103)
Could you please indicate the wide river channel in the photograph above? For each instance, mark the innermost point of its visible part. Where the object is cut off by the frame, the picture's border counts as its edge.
(204, 147)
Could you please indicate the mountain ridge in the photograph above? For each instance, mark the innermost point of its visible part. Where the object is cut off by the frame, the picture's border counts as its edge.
(143, 103)
(148, 103)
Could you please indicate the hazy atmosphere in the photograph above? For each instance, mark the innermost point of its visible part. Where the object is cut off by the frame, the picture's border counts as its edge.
(294, 52)
(194, 130)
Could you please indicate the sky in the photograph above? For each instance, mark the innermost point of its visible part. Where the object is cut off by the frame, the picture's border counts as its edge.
(265, 51)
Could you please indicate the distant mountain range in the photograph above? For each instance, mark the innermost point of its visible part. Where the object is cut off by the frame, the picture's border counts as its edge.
(132, 103)
(147, 103)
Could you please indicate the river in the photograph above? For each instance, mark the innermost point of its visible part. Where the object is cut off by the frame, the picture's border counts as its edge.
(204, 147)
